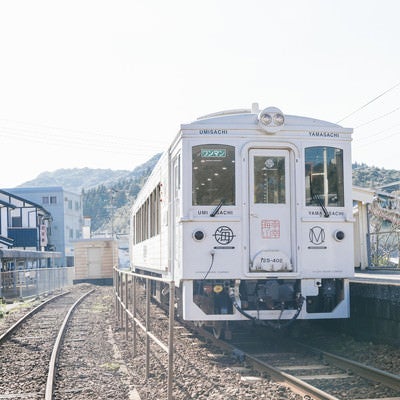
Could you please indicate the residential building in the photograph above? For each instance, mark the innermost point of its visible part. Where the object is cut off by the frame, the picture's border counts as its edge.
(67, 217)
(23, 223)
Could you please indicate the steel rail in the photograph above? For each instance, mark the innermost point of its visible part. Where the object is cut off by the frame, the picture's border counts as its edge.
(57, 346)
(371, 373)
(296, 384)
(10, 330)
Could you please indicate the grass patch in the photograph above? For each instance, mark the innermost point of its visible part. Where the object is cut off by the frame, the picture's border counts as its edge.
(111, 366)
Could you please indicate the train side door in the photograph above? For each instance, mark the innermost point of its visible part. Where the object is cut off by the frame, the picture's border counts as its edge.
(270, 211)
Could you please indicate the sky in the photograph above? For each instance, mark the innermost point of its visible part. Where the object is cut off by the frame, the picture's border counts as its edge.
(106, 84)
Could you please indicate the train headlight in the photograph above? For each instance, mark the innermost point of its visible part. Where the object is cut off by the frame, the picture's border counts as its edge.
(265, 118)
(271, 119)
(218, 288)
(339, 235)
(198, 235)
(279, 119)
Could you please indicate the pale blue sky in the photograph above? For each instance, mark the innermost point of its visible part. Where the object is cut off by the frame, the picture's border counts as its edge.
(106, 84)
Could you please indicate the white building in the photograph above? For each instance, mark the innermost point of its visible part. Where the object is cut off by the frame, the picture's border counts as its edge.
(67, 217)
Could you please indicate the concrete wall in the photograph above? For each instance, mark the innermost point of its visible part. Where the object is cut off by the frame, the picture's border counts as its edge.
(375, 313)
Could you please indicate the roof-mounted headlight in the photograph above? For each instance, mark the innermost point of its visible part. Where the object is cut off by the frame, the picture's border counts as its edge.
(278, 119)
(265, 118)
(271, 119)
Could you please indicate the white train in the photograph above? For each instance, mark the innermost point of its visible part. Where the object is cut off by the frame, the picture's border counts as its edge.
(249, 212)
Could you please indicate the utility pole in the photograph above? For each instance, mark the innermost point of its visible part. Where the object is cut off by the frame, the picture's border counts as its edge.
(113, 191)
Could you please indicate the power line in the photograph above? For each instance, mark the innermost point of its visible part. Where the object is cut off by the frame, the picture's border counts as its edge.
(376, 119)
(371, 101)
(84, 135)
(94, 144)
(375, 134)
(377, 140)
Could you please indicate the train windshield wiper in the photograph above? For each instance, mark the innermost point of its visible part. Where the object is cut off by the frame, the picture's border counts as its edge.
(317, 198)
(320, 203)
(216, 209)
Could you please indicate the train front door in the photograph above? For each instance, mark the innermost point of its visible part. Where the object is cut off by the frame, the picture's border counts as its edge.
(270, 210)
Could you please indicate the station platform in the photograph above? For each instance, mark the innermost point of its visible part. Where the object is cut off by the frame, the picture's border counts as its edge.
(375, 305)
(389, 276)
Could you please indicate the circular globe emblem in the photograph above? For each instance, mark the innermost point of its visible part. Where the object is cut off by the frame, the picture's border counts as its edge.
(224, 235)
(269, 163)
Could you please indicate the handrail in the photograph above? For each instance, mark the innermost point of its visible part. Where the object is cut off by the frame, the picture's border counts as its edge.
(121, 290)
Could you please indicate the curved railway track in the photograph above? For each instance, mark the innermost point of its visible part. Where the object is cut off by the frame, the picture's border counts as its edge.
(90, 365)
(30, 348)
(311, 372)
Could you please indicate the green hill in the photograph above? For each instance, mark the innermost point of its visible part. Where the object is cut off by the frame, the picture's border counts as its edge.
(108, 195)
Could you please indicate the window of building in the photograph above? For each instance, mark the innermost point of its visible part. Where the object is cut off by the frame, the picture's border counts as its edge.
(324, 176)
(45, 200)
(213, 174)
(16, 222)
(53, 199)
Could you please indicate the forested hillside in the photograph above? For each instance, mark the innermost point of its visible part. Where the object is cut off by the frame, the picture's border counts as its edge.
(76, 179)
(108, 194)
(113, 199)
(373, 177)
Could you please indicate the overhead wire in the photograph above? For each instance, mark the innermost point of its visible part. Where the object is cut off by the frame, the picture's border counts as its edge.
(368, 140)
(108, 143)
(134, 151)
(369, 102)
(375, 134)
(95, 135)
(377, 140)
(376, 119)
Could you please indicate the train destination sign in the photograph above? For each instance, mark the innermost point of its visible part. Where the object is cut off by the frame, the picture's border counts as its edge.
(213, 131)
(324, 134)
(210, 153)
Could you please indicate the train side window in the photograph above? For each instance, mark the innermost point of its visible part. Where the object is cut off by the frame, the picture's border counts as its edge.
(324, 176)
(147, 220)
(213, 174)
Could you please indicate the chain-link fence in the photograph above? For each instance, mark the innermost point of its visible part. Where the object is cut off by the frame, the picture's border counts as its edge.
(25, 283)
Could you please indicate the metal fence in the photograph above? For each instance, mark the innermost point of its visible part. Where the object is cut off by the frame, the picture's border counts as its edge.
(384, 249)
(133, 293)
(25, 283)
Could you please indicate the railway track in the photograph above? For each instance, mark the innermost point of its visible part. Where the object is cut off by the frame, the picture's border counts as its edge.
(308, 371)
(30, 348)
(90, 365)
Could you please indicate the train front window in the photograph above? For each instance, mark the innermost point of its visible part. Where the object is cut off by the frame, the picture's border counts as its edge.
(269, 180)
(213, 174)
(324, 176)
